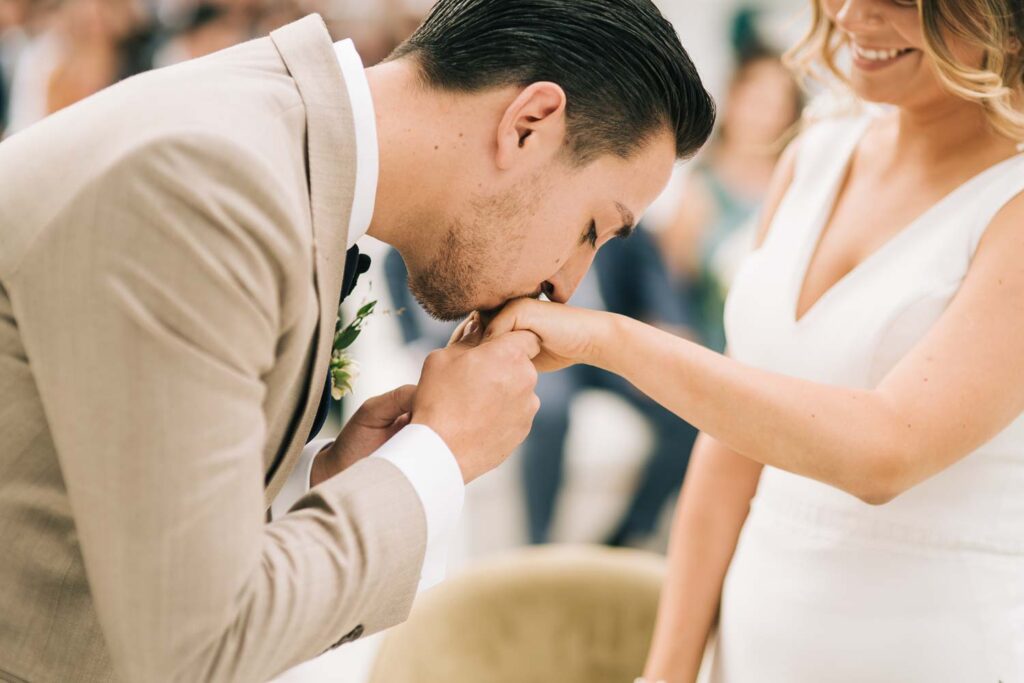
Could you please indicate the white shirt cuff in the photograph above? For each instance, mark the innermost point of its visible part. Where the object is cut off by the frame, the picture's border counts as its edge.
(429, 465)
(297, 483)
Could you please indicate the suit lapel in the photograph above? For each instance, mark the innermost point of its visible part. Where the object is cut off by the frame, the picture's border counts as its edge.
(308, 53)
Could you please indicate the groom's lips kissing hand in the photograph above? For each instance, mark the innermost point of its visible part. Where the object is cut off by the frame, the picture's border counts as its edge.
(487, 316)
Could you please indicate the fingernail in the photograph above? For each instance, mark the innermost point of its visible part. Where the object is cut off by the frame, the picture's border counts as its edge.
(470, 329)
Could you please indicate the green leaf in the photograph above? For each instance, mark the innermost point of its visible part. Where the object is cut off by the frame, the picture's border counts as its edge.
(366, 310)
(344, 339)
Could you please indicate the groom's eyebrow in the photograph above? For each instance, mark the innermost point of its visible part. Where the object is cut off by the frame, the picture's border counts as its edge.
(628, 222)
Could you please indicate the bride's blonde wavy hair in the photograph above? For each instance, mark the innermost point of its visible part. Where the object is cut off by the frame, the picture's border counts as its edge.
(996, 26)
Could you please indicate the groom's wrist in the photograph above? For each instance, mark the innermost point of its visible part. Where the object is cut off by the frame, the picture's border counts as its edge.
(324, 466)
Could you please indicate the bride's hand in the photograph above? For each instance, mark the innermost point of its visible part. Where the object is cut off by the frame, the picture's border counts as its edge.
(568, 335)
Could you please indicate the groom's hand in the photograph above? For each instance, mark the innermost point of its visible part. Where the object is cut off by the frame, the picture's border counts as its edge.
(376, 421)
(479, 397)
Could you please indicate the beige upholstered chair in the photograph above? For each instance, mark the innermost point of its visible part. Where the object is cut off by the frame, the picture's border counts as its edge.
(556, 614)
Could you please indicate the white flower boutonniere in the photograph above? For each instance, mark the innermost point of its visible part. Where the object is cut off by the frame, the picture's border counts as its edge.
(344, 370)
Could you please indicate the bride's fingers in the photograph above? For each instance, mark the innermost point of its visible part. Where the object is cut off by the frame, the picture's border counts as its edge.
(509, 319)
(459, 331)
(465, 328)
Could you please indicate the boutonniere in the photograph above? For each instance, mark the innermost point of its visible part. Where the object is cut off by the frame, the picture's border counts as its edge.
(344, 370)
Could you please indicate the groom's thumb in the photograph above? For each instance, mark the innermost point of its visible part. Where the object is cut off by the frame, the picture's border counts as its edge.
(520, 341)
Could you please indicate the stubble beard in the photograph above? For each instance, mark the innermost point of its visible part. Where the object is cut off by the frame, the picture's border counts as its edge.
(464, 268)
(447, 287)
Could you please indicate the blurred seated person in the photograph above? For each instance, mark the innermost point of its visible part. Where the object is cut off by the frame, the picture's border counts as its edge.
(713, 227)
(204, 29)
(376, 27)
(101, 46)
(273, 14)
(629, 278)
(81, 47)
(13, 36)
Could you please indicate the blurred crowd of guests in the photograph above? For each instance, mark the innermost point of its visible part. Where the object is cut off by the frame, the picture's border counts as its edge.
(674, 273)
(56, 52)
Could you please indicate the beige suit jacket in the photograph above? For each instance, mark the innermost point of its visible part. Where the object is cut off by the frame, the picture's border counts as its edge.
(171, 252)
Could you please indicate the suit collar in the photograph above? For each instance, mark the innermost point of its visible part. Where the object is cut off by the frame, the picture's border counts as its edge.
(307, 51)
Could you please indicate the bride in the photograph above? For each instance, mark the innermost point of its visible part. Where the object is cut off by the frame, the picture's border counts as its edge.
(854, 508)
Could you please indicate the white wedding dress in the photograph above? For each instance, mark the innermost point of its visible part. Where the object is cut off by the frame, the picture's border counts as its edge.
(824, 588)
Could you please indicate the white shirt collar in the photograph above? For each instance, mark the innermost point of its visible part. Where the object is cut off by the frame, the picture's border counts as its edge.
(367, 151)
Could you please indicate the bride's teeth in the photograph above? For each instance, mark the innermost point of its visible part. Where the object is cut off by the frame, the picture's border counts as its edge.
(878, 55)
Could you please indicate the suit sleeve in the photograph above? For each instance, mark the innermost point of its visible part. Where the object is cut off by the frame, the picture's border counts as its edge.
(150, 311)
(429, 465)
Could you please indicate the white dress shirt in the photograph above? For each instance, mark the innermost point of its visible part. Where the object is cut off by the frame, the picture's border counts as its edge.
(417, 450)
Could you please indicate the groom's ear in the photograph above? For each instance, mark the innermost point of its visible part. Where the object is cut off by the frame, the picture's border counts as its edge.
(532, 126)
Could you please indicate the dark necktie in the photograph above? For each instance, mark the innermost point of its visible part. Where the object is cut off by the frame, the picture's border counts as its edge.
(355, 265)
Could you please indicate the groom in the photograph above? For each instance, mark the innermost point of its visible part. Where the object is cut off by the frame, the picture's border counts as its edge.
(172, 252)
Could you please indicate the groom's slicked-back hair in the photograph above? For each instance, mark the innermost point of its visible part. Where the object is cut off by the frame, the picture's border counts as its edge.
(624, 72)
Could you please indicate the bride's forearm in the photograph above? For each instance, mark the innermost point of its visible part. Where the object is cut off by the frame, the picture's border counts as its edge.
(844, 437)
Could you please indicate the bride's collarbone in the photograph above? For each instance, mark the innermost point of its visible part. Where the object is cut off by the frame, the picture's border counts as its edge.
(865, 218)
(874, 204)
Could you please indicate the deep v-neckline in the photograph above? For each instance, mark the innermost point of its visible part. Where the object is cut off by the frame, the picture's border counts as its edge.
(827, 214)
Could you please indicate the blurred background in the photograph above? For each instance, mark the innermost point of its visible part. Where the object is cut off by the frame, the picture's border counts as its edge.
(603, 464)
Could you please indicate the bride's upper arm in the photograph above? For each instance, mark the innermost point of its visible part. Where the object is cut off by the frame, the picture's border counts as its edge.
(964, 381)
(781, 180)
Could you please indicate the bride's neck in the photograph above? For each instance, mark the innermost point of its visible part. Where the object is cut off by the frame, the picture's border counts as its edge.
(942, 130)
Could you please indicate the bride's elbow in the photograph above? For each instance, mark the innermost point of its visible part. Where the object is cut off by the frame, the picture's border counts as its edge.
(886, 476)
(877, 495)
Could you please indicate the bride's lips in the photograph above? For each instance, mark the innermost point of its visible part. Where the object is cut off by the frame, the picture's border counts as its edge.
(876, 59)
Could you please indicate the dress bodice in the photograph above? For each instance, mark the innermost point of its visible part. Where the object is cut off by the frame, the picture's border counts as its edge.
(861, 328)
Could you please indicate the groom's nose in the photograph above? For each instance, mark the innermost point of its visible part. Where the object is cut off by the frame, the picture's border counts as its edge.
(560, 287)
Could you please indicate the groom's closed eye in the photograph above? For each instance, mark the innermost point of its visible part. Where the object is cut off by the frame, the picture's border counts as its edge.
(628, 227)
(590, 235)
(628, 222)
